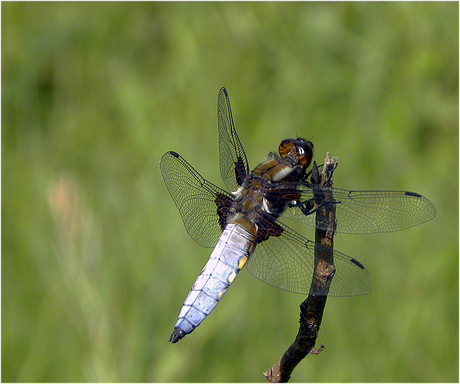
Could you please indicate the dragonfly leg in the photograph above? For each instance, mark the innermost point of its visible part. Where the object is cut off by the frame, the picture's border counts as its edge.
(308, 206)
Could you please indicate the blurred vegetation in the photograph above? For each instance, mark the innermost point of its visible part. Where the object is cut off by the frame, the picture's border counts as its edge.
(95, 260)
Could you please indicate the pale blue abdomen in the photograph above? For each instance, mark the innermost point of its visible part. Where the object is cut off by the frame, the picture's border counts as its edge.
(228, 258)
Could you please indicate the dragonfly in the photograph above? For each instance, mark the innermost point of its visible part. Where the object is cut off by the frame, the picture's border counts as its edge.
(244, 228)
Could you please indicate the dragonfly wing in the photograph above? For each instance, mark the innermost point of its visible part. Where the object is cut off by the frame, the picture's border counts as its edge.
(361, 212)
(286, 260)
(233, 162)
(202, 205)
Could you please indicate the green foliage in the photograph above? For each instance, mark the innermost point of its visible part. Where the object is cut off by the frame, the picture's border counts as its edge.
(95, 260)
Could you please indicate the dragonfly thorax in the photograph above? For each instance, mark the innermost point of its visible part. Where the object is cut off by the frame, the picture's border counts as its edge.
(257, 196)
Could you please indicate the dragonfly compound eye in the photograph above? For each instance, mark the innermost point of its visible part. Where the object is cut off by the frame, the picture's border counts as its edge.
(302, 148)
(304, 151)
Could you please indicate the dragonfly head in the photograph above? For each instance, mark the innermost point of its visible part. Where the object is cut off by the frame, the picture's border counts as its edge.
(301, 148)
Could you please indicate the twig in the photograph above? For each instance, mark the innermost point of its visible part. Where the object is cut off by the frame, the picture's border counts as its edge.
(311, 310)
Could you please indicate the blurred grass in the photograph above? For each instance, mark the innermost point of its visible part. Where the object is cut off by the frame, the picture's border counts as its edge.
(95, 260)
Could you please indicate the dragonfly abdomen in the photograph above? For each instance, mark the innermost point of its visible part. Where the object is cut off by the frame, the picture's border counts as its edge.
(227, 259)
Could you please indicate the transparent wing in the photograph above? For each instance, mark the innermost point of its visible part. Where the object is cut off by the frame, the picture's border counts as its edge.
(287, 262)
(361, 212)
(233, 162)
(201, 204)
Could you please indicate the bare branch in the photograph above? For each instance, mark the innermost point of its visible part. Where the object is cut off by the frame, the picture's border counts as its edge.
(311, 310)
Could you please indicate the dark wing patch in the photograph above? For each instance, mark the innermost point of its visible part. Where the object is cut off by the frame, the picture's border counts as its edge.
(240, 171)
(223, 203)
(268, 228)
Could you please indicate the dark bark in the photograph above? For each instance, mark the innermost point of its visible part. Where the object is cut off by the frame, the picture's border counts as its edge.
(311, 310)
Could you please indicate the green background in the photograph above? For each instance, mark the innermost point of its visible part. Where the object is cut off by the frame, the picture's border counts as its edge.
(95, 260)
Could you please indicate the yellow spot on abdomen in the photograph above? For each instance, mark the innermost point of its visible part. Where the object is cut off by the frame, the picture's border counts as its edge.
(231, 277)
(242, 262)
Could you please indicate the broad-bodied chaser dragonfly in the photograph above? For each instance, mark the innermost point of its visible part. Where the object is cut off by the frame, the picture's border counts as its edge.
(243, 226)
